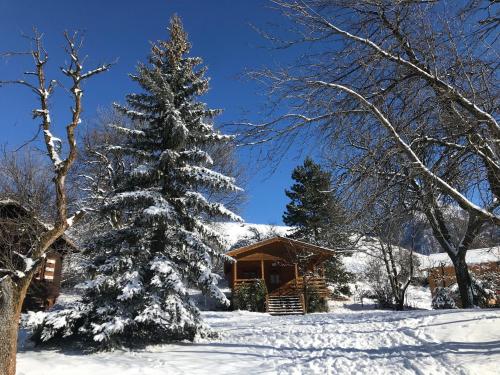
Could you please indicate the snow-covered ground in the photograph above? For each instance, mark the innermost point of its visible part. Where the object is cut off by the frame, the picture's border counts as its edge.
(345, 341)
(352, 339)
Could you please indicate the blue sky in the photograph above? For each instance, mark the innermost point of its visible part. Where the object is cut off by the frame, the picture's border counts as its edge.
(220, 32)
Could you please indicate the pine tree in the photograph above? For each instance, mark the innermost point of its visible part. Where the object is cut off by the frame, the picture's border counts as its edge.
(313, 209)
(318, 217)
(162, 242)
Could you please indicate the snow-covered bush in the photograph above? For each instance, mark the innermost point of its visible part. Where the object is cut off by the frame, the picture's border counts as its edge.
(378, 283)
(445, 298)
(389, 273)
(338, 278)
(251, 297)
(484, 288)
(315, 302)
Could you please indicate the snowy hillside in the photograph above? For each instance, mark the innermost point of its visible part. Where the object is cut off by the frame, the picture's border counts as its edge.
(238, 232)
(363, 253)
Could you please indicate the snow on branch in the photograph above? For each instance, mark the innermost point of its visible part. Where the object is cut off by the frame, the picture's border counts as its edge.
(198, 201)
(127, 131)
(209, 177)
(54, 145)
(422, 71)
(43, 87)
(464, 203)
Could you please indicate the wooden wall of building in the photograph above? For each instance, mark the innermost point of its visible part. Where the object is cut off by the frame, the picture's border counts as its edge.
(444, 275)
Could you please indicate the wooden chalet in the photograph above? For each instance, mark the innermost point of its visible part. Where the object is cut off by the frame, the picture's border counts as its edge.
(283, 265)
(18, 229)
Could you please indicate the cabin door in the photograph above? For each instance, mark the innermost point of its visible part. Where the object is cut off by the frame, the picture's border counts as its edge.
(277, 275)
(274, 280)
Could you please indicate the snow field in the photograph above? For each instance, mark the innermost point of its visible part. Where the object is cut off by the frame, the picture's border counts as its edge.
(342, 342)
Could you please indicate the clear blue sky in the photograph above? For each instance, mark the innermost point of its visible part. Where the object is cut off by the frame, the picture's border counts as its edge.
(219, 31)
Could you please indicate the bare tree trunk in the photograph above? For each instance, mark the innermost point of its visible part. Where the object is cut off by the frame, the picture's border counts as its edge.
(12, 297)
(400, 302)
(464, 281)
(14, 284)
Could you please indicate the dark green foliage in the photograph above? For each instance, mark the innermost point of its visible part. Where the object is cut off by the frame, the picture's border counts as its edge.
(339, 277)
(483, 287)
(315, 302)
(319, 218)
(313, 209)
(251, 297)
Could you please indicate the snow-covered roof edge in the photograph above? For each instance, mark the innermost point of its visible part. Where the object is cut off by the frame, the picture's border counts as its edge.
(474, 256)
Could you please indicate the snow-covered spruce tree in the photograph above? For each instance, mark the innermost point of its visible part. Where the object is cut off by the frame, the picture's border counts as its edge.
(318, 217)
(162, 243)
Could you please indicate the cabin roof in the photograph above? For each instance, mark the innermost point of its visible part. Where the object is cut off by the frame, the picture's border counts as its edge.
(296, 244)
(5, 203)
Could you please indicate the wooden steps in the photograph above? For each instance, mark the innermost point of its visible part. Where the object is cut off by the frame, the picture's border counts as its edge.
(285, 305)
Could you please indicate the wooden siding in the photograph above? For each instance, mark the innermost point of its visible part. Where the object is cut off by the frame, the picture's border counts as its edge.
(46, 284)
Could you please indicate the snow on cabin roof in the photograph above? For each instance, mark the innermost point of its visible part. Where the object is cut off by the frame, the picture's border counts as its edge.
(474, 256)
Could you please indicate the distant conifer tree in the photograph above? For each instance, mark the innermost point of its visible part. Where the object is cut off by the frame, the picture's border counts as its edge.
(318, 217)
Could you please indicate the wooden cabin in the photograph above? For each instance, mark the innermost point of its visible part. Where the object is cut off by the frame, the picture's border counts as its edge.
(287, 267)
(18, 229)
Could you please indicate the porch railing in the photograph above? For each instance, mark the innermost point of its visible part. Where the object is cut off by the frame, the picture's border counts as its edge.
(239, 282)
(292, 287)
(296, 286)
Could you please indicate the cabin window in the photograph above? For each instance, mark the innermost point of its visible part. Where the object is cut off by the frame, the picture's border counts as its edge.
(274, 278)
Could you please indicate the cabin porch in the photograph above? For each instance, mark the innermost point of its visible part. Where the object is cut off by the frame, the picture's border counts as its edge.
(284, 285)
(287, 267)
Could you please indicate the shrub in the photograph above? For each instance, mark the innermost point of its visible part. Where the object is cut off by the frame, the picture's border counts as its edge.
(445, 298)
(315, 302)
(483, 290)
(338, 277)
(383, 295)
(251, 297)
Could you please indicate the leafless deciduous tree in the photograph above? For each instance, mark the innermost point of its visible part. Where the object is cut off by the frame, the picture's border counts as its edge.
(15, 277)
(402, 101)
(25, 178)
(392, 267)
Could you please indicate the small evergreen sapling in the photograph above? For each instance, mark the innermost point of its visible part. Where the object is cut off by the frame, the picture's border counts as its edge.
(162, 242)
